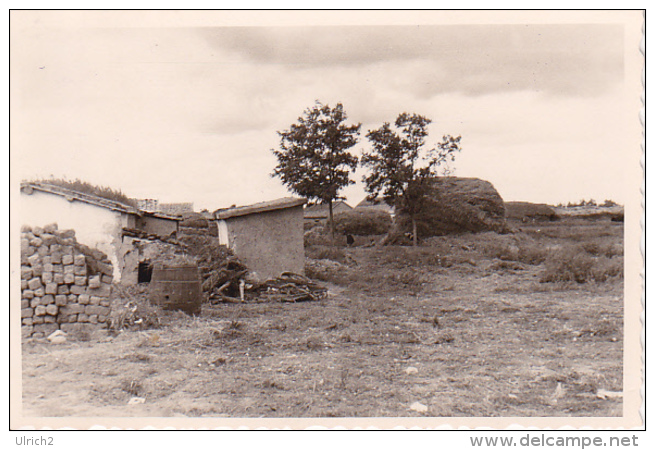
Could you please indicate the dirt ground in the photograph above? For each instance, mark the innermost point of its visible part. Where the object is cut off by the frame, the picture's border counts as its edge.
(458, 325)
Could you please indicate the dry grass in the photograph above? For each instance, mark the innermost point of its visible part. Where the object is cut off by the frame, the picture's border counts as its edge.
(570, 264)
(337, 254)
(486, 337)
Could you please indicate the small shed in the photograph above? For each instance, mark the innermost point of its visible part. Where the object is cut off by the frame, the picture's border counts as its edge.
(267, 236)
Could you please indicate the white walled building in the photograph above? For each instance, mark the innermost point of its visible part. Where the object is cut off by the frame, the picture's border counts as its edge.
(98, 222)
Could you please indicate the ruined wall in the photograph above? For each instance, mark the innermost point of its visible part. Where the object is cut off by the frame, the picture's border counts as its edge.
(136, 251)
(64, 285)
(158, 226)
(94, 226)
(269, 243)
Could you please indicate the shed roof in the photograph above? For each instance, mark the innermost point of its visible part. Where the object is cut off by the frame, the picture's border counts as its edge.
(71, 196)
(273, 205)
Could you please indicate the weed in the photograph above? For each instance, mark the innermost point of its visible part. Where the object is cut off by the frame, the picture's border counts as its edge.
(235, 325)
(137, 313)
(137, 357)
(82, 335)
(443, 337)
(345, 337)
(343, 379)
(313, 343)
(506, 266)
(271, 384)
(278, 325)
(132, 387)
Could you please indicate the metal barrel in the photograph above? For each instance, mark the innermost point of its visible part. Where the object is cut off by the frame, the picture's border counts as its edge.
(176, 288)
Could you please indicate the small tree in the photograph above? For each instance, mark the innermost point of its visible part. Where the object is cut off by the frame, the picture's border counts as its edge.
(313, 158)
(401, 168)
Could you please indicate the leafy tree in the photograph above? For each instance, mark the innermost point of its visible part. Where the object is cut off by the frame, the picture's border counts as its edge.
(400, 166)
(313, 158)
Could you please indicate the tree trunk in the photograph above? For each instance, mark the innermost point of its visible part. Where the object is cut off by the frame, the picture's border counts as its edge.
(331, 221)
(414, 233)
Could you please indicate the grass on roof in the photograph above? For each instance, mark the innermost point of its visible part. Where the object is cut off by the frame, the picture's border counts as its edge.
(85, 187)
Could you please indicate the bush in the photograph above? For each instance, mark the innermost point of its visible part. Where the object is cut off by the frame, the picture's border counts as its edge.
(524, 251)
(595, 248)
(316, 236)
(533, 254)
(605, 269)
(570, 264)
(363, 222)
(500, 250)
(310, 224)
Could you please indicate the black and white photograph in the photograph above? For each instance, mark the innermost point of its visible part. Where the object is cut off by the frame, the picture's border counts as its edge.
(326, 218)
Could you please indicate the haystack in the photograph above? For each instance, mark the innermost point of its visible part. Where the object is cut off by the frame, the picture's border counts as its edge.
(457, 205)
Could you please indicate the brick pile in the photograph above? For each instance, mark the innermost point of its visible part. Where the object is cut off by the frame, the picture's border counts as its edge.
(64, 285)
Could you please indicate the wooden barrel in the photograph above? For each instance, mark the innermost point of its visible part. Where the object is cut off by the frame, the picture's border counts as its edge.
(176, 287)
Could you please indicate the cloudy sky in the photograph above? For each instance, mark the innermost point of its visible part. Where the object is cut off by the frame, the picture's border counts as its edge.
(190, 113)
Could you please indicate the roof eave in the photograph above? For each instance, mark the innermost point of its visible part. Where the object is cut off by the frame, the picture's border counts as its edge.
(259, 208)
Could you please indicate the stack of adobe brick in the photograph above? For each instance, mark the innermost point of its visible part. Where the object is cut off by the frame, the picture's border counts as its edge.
(64, 285)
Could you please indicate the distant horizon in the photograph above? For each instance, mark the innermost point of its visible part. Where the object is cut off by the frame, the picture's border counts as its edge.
(347, 201)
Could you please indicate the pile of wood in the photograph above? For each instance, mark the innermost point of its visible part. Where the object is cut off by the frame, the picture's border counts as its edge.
(220, 269)
(226, 279)
(288, 287)
(291, 287)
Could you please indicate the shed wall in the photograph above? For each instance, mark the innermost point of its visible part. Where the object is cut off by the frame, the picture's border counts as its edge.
(269, 243)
